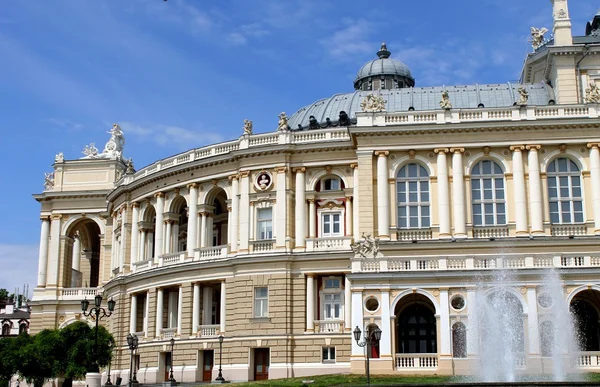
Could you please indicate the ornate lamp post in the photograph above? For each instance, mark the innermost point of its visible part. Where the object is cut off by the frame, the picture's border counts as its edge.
(132, 342)
(171, 378)
(370, 340)
(108, 382)
(98, 313)
(220, 377)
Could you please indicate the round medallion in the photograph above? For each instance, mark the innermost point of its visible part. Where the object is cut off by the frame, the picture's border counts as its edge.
(263, 181)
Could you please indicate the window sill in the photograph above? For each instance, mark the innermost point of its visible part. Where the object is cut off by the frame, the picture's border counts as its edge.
(328, 361)
(258, 320)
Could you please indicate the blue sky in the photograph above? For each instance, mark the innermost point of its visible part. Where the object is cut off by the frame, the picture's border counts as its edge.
(181, 74)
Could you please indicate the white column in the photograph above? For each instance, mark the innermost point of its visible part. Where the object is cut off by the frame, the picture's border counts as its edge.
(312, 219)
(203, 233)
(143, 252)
(207, 308)
(252, 223)
(196, 308)
(347, 304)
(535, 191)
(349, 216)
(595, 177)
(146, 313)
(76, 251)
(532, 322)
(158, 232)
(355, 219)
(300, 207)
(444, 323)
(209, 229)
(235, 212)
(133, 314)
(385, 344)
(53, 258)
(458, 193)
(43, 256)
(519, 188)
(280, 209)
(310, 303)
(357, 321)
(179, 309)
(169, 236)
(443, 193)
(159, 311)
(222, 311)
(123, 238)
(383, 197)
(135, 233)
(114, 253)
(244, 211)
(192, 235)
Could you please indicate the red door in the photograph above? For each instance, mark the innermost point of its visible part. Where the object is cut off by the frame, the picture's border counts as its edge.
(261, 364)
(207, 365)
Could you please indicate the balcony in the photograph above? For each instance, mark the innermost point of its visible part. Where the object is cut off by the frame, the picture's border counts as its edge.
(208, 331)
(142, 265)
(263, 246)
(416, 361)
(329, 326)
(209, 253)
(482, 232)
(589, 360)
(78, 293)
(568, 229)
(167, 333)
(328, 244)
(172, 258)
(414, 234)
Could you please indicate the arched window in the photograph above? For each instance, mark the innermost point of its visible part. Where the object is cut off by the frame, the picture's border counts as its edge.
(5, 329)
(412, 187)
(587, 324)
(22, 328)
(331, 184)
(487, 192)
(459, 340)
(564, 191)
(417, 329)
(374, 348)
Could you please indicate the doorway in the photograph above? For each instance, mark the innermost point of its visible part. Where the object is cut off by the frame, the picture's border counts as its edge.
(261, 363)
(208, 363)
(167, 365)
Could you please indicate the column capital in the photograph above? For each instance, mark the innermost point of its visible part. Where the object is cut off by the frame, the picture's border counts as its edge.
(593, 145)
(159, 195)
(382, 153)
(349, 197)
(354, 166)
(441, 150)
(123, 208)
(135, 205)
(309, 275)
(312, 200)
(280, 169)
(533, 147)
(243, 174)
(299, 170)
(192, 185)
(517, 148)
(457, 150)
(57, 216)
(233, 177)
(45, 218)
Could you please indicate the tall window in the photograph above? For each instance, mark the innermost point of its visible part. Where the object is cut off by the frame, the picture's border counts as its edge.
(265, 223)
(261, 302)
(331, 184)
(6, 329)
(332, 298)
(331, 224)
(412, 186)
(328, 355)
(564, 191)
(487, 190)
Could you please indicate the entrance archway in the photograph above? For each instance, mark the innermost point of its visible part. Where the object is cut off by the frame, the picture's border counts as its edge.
(584, 307)
(416, 330)
(82, 255)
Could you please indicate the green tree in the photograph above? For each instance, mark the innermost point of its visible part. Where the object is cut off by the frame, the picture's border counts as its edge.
(79, 343)
(7, 360)
(3, 296)
(41, 357)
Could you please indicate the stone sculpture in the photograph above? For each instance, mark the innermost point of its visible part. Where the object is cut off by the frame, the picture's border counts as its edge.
(59, 158)
(48, 181)
(90, 151)
(366, 246)
(283, 122)
(247, 127)
(373, 103)
(537, 37)
(445, 101)
(523, 96)
(592, 93)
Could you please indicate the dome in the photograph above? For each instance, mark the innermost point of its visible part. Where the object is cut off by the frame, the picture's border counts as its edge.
(381, 68)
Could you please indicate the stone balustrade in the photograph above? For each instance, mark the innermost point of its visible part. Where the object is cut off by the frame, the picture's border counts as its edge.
(329, 326)
(208, 330)
(78, 293)
(416, 361)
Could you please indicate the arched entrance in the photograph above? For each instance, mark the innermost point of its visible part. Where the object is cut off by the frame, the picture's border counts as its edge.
(179, 227)
(416, 330)
(218, 217)
(82, 255)
(374, 354)
(584, 308)
(148, 230)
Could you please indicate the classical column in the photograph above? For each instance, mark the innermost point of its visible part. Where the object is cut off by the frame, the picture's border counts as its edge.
(54, 253)
(519, 188)
(383, 197)
(76, 251)
(349, 216)
(146, 313)
(143, 250)
(312, 219)
(158, 232)
(207, 305)
(357, 321)
(347, 304)
(209, 229)
(168, 236)
(443, 193)
(235, 213)
(355, 216)
(192, 235)
(280, 209)
(203, 232)
(532, 322)
(133, 314)
(251, 223)
(535, 191)
(244, 210)
(135, 233)
(179, 309)
(310, 303)
(444, 323)
(196, 308)
(385, 344)
(300, 207)
(159, 312)
(123, 238)
(222, 311)
(43, 256)
(595, 176)
(458, 193)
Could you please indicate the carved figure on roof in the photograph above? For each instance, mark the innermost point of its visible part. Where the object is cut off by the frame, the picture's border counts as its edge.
(114, 146)
(523, 96)
(90, 151)
(48, 181)
(130, 168)
(537, 37)
(366, 246)
(592, 93)
(312, 123)
(445, 101)
(247, 127)
(283, 122)
(343, 119)
(59, 158)
(373, 103)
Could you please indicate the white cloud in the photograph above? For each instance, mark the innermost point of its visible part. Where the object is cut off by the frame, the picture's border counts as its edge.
(19, 267)
(237, 39)
(170, 136)
(65, 124)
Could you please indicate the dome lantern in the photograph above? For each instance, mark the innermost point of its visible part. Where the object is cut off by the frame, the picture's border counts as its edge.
(383, 73)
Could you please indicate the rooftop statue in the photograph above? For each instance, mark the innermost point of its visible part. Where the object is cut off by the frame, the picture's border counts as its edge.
(130, 168)
(90, 151)
(49, 181)
(373, 103)
(59, 158)
(247, 127)
(537, 37)
(445, 101)
(366, 246)
(113, 148)
(283, 122)
(523, 96)
(592, 93)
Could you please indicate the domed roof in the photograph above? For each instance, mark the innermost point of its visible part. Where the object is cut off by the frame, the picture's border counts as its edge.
(383, 65)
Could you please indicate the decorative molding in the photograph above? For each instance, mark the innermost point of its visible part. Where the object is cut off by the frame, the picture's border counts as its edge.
(562, 148)
(280, 169)
(382, 153)
(411, 154)
(533, 147)
(486, 150)
(233, 177)
(440, 150)
(593, 145)
(243, 174)
(457, 150)
(517, 148)
(159, 195)
(192, 185)
(299, 170)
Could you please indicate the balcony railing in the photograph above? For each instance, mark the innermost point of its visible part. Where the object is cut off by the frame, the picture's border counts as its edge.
(262, 246)
(142, 265)
(208, 330)
(214, 252)
(588, 360)
(490, 232)
(568, 229)
(417, 234)
(327, 244)
(329, 326)
(167, 333)
(416, 361)
(172, 258)
(79, 293)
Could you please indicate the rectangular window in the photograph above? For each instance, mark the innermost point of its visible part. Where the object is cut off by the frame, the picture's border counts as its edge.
(261, 302)
(328, 354)
(264, 223)
(332, 306)
(331, 224)
(332, 283)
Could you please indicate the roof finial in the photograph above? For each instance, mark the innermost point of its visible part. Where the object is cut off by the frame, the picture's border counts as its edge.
(383, 52)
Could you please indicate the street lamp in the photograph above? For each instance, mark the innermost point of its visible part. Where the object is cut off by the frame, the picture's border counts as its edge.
(370, 340)
(108, 382)
(171, 378)
(132, 342)
(220, 377)
(98, 313)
